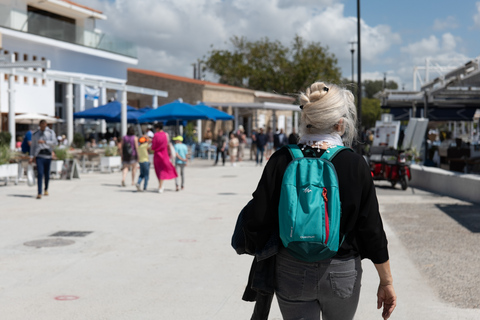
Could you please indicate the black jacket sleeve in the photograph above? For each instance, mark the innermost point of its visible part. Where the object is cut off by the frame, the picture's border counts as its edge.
(261, 220)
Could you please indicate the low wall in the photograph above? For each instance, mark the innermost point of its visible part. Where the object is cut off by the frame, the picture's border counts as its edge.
(453, 184)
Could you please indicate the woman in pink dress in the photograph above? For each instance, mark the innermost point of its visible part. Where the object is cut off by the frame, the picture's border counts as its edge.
(161, 160)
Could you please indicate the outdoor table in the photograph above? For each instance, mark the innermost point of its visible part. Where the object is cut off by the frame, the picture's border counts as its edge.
(85, 155)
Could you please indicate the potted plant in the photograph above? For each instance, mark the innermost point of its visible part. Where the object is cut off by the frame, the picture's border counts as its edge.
(110, 160)
(7, 169)
(60, 156)
(413, 156)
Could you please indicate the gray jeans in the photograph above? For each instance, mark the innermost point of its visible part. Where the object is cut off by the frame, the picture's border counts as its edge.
(307, 289)
(180, 166)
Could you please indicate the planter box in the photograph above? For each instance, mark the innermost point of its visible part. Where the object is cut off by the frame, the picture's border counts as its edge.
(453, 184)
(109, 164)
(56, 167)
(8, 171)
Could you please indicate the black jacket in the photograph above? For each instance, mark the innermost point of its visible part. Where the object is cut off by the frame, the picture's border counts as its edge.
(361, 221)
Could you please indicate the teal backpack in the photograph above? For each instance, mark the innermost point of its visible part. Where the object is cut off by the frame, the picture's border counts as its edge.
(309, 210)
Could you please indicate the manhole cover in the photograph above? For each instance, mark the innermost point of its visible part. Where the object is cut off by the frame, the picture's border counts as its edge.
(57, 242)
(71, 233)
(226, 194)
(229, 176)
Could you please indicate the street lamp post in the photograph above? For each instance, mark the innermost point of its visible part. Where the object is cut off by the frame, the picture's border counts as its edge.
(359, 64)
(352, 50)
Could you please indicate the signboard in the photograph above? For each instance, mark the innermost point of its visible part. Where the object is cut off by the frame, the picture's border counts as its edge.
(386, 132)
(70, 170)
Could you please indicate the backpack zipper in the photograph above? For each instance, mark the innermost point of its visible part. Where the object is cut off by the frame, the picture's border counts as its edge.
(327, 227)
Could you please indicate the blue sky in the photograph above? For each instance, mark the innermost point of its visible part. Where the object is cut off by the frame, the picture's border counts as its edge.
(396, 35)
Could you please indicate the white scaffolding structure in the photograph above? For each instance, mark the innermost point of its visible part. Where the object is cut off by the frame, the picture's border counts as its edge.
(432, 66)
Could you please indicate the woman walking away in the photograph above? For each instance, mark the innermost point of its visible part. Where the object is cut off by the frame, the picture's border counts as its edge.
(308, 286)
(129, 152)
(161, 159)
(233, 148)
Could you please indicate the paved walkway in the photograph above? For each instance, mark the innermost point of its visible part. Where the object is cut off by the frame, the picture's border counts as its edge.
(158, 256)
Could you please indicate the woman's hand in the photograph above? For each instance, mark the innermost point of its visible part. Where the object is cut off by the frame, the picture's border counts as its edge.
(387, 298)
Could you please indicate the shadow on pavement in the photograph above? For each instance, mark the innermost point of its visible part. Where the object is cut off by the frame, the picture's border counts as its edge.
(21, 196)
(466, 215)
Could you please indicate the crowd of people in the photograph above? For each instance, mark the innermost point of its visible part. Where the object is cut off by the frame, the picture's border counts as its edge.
(261, 144)
(168, 158)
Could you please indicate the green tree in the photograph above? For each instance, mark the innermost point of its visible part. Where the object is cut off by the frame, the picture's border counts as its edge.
(373, 86)
(270, 66)
(371, 112)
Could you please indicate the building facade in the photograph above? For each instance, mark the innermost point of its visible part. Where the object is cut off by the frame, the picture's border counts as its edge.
(82, 60)
(252, 109)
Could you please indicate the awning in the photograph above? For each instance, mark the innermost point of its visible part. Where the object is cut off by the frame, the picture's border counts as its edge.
(107, 112)
(434, 113)
(256, 105)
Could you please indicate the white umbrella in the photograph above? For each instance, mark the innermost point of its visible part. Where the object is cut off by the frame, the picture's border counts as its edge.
(34, 118)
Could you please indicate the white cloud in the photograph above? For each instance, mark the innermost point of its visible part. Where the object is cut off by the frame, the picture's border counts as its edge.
(442, 51)
(443, 24)
(172, 34)
(434, 48)
(476, 17)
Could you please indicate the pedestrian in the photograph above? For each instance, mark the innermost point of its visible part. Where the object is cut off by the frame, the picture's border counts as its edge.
(279, 140)
(208, 136)
(181, 152)
(129, 153)
(161, 158)
(270, 143)
(27, 142)
(18, 143)
(328, 288)
(42, 144)
(221, 146)
(144, 163)
(242, 140)
(261, 142)
(293, 137)
(64, 140)
(233, 148)
(253, 145)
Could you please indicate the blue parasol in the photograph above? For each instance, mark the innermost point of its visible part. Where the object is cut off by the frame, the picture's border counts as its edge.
(176, 110)
(107, 112)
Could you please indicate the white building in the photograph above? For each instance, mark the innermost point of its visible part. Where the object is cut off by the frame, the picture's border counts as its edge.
(80, 55)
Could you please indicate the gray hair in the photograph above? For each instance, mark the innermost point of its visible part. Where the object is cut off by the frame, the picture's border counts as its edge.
(324, 105)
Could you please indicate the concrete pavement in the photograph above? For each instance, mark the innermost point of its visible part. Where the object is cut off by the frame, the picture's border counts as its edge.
(162, 256)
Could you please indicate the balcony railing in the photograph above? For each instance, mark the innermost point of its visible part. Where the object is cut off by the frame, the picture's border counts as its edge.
(44, 26)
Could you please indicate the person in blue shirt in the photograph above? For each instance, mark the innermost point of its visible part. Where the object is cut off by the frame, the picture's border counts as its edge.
(27, 141)
(181, 151)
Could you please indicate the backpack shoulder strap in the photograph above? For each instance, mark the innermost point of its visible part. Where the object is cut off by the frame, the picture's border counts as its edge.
(330, 153)
(295, 151)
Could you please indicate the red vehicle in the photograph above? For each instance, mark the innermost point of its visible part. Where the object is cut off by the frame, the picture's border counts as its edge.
(390, 165)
